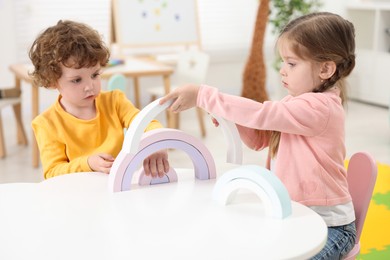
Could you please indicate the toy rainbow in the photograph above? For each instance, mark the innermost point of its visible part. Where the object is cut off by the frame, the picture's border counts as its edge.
(262, 182)
(138, 145)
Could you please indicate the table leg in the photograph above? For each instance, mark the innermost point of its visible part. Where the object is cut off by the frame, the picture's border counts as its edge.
(21, 134)
(136, 93)
(21, 138)
(35, 112)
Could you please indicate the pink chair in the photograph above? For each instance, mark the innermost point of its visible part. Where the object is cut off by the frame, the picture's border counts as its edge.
(361, 176)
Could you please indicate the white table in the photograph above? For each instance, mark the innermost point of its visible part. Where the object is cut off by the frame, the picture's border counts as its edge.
(75, 217)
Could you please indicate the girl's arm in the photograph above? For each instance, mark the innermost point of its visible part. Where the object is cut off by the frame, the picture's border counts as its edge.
(253, 138)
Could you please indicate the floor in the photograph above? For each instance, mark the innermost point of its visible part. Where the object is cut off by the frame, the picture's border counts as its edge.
(367, 129)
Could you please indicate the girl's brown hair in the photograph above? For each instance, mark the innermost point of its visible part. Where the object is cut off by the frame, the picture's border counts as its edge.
(321, 37)
(69, 43)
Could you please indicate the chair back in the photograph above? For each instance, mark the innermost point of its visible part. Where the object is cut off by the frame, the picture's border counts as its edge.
(361, 176)
(117, 81)
(192, 66)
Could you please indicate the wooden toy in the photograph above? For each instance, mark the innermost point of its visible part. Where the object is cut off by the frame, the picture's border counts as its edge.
(170, 176)
(233, 140)
(127, 164)
(259, 180)
(138, 145)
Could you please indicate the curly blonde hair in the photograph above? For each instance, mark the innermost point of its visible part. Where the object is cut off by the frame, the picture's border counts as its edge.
(69, 43)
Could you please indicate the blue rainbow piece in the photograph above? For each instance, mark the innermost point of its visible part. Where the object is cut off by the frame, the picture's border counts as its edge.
(259, 180)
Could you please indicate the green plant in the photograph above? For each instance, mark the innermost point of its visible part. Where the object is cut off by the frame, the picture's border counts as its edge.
(282, 11)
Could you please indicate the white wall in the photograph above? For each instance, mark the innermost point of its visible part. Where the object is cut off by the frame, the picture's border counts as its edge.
(7, 50)
(225, 71)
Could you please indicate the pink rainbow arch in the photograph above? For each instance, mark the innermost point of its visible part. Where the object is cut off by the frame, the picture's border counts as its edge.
(138, 145)
(127, 164)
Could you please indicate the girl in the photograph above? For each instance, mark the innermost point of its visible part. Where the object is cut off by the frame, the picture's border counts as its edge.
(305, 130)
(83, 130)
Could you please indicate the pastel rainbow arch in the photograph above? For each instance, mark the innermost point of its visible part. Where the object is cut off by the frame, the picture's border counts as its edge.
(138, 145)
(265, 184)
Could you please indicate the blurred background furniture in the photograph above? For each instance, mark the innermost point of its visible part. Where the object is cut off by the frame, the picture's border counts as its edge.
(117, 81)
(137, 67)
(21, 134)
(191, 68)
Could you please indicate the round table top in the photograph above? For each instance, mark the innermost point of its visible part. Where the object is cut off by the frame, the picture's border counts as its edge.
(74, 216)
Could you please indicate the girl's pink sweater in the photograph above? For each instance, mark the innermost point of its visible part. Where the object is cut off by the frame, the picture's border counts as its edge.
(311, 153)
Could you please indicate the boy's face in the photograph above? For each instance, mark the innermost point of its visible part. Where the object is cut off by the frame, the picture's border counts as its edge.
(79, 87)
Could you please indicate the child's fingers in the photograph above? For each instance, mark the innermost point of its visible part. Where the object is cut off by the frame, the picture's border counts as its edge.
(167, 97)
(175, 107)
(107, 157)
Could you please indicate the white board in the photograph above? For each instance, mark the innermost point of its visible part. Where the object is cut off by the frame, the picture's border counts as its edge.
(140, 23)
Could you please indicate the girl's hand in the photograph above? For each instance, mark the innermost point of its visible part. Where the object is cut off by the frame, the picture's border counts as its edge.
(157, 164)
(101, 162)
(185, 98)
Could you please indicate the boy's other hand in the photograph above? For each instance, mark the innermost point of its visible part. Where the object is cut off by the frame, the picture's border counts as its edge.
(101, 162)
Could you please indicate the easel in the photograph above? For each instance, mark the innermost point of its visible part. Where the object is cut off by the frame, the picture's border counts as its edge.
(159, 42)
(154, 45)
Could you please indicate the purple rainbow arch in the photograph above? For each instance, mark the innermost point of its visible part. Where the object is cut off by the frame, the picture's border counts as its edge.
(126, 164)
(137, 145)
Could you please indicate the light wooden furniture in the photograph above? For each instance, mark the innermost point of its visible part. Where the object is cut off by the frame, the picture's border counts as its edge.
(133, 68)
(75, 217)
(136, 68)
(192, 67)
(21, 134)
(21, 72)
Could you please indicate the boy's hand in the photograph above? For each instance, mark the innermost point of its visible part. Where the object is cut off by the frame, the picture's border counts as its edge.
(185, 98)
(157, 164)
(101, 162)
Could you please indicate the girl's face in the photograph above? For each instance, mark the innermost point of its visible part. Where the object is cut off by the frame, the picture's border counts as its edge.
(79, 87)
(298, 76)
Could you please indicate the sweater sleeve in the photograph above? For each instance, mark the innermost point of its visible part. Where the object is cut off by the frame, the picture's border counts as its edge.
(307, 114)
(52, 151)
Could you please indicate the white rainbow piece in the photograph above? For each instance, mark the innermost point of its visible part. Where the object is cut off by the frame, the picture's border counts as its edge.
(233, 140)
(265, 184)
(138, 145)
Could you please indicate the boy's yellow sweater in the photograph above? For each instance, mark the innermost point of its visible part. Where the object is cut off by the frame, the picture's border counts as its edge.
(65, 142)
